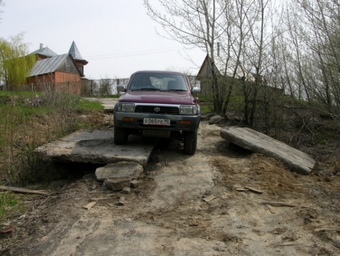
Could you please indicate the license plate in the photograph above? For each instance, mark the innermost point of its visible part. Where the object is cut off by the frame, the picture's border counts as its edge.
(156, 121)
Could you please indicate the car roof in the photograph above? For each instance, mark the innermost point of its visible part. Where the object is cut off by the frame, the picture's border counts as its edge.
(158, 71)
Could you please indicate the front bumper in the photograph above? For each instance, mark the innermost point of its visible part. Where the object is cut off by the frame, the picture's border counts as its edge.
(131, 120)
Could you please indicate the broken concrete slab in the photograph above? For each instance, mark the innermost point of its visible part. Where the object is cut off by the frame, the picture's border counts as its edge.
(258, 142)
(96, 146)
(119, 170)
(118, 176)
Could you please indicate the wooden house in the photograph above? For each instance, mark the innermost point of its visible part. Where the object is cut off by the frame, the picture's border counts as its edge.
(205, 70)
(240, 85)
(204, 75)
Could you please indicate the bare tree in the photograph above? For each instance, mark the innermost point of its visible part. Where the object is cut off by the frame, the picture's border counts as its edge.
(194, 23)
(251, 42)
(314, 34)
(1, 4)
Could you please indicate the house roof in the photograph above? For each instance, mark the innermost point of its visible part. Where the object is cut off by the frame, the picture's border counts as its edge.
(76, 54)
(45, 51)
(206, 70)
(48, 65)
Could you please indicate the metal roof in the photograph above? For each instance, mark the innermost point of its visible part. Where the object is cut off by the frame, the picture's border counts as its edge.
(48, 65)
(45, 51)
(75, 52)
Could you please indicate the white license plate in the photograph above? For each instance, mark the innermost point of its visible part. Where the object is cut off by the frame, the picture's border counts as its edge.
(156, 121)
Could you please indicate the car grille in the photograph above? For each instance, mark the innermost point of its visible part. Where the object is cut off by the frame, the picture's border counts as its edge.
(162, 110)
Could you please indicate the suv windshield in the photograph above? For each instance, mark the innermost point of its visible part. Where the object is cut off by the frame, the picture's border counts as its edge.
(159, 82)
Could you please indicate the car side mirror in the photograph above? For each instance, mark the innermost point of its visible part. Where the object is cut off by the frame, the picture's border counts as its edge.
(121, 88)
(195, 90)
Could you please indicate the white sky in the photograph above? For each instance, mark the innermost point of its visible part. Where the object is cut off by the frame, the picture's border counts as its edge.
(116, 37)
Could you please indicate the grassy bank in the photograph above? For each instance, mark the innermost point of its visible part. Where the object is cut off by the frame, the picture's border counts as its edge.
(28, 121)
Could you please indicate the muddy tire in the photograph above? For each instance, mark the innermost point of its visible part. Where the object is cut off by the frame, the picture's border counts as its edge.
(190, 142)
(120, 136)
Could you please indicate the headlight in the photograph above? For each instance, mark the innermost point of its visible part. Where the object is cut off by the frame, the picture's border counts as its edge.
(126, 107)
(189, 109)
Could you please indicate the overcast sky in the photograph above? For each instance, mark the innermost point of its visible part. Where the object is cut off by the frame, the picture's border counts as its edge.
(116, 37)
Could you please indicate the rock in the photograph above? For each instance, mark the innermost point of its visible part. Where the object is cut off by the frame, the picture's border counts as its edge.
(134, 183)
(215, 119)
(117, 184)
(258, 142)
(119, 170)
(121, 201)
(126, 190)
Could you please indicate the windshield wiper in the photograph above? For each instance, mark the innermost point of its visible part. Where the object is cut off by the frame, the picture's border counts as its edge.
(177, 90)
(146, 89)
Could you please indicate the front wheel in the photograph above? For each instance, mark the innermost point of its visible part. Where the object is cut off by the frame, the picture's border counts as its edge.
(120, 136)
(190, 142)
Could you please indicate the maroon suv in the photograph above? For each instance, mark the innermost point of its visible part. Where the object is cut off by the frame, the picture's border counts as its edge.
(158, 104)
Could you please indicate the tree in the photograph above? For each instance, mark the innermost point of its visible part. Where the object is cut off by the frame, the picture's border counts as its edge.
(15, 63)
(1, 4)
(232, 33)
(313, 33)
(193, 23)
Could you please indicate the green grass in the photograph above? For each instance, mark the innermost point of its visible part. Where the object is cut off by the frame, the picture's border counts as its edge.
(19, 94)
(10, 203)
(206, 97)
(116, 96)
(89, 105)
(207, 108)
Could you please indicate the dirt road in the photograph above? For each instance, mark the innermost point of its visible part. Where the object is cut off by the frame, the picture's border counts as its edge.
(221, 201)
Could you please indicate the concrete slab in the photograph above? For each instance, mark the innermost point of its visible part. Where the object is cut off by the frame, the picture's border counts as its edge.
(119, 170)
(258, 142)
(97, 146)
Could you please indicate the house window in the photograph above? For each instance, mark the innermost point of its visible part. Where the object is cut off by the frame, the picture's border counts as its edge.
(81, 69)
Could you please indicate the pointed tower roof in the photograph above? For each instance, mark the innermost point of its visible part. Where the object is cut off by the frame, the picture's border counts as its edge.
(76, 54)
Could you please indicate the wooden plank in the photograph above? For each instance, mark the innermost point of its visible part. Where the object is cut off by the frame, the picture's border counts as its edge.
(254, 190)
(328, 228)
(209, 198)
(23, 190)
(240, 189)
(89, 205)
(278, 204)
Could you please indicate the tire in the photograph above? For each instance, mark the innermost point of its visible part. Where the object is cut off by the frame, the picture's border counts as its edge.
(190, 142)
(120, 136)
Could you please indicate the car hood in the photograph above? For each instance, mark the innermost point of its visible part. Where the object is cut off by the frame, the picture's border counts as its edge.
(161, 97)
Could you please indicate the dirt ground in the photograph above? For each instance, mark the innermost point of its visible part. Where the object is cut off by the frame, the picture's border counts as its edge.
(221, 201)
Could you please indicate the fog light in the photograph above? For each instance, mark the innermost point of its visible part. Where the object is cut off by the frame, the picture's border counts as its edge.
(127, 119)
(185, 122)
